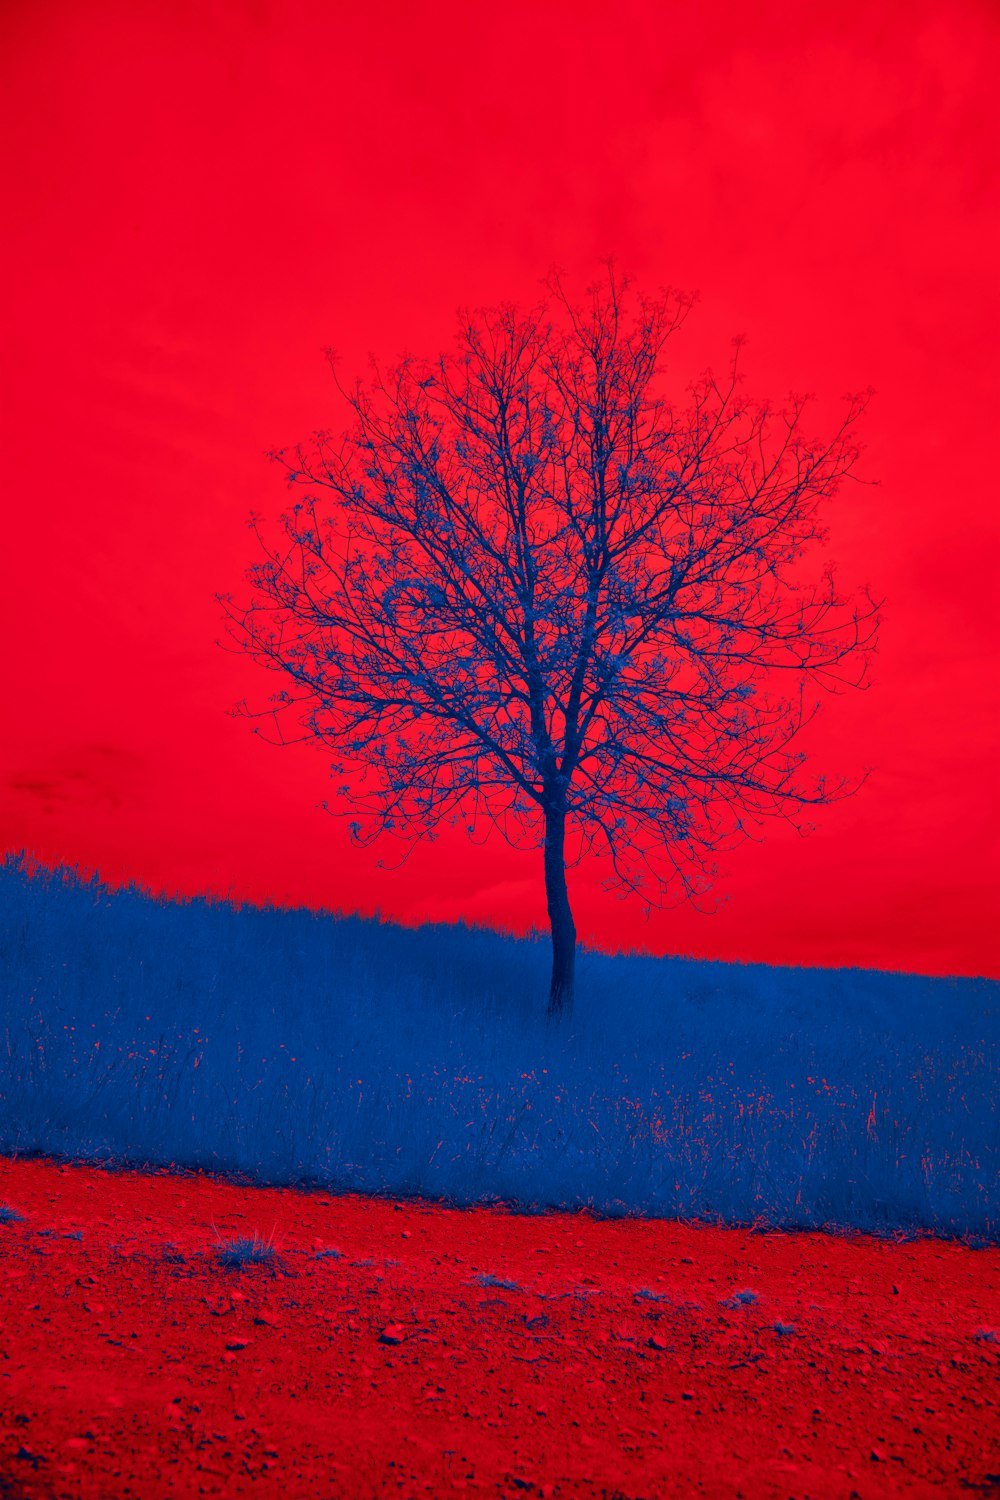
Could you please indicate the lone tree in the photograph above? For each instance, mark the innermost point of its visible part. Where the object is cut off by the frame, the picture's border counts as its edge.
(526, 586)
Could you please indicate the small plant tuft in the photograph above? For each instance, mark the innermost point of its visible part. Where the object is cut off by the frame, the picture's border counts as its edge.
(329, 1255)
(784, 1330)
(9, 1215)
(247, 1251)
(740, 1299)
(485, 1279)
(645, 1295)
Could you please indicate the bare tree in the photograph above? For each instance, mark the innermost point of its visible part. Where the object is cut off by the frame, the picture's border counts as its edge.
(528, 587)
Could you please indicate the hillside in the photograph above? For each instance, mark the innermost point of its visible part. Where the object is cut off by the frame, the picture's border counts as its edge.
(305, 1049)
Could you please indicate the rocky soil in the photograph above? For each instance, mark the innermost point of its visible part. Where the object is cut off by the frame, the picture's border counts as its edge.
(356, 1347)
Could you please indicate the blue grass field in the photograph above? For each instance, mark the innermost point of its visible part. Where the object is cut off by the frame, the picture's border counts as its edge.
(307, 1049)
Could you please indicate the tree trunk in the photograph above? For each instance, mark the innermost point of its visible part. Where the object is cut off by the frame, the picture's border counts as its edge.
(560, 916)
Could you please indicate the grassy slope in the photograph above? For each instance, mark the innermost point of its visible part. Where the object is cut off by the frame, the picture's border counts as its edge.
(303, 1048)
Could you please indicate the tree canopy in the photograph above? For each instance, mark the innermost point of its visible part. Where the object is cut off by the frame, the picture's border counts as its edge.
(529, 585)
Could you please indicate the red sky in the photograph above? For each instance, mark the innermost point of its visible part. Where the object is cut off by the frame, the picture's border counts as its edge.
(201, 197)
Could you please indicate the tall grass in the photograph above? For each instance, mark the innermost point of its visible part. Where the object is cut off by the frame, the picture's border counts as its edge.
(303, 1048)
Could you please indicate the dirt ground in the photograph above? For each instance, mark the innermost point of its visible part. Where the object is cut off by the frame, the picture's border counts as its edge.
(381, 1352)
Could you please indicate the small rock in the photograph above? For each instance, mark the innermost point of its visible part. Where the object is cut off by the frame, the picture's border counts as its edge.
(877, 1456)
(392, 1333)
(687, 1395)
(657, 1341)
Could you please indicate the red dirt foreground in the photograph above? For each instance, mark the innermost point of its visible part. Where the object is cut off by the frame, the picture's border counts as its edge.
(390, 1349)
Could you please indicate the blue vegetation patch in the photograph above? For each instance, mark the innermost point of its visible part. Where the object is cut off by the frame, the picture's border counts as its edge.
(355, 1055)
(487, 1279)
(248, 1251)
(741, 1299)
